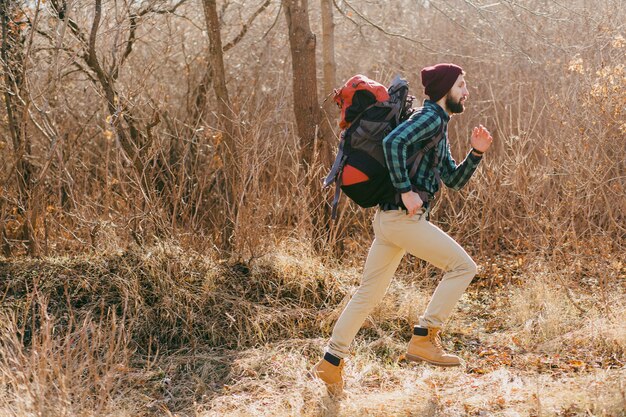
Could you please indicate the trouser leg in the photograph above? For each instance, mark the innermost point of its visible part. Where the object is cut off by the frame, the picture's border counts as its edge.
(428, 242)
(382, 261)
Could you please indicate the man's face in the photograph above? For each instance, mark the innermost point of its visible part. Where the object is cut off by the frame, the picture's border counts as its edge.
(457, 95)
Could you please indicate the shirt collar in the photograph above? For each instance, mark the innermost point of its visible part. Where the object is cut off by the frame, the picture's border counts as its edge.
(438, 109)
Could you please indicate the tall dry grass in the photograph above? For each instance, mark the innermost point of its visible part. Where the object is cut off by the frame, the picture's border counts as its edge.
(80, 335)
(546, 78)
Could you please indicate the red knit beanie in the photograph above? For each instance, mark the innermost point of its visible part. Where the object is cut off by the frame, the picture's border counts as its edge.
(439, 79)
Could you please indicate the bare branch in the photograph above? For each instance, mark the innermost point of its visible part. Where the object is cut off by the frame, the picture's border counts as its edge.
(575, 12)
(171, 10)
(62, 15)
(383, 30)
(7, 76)
(280, 8)
(344, 14)
(129, 44)
(530, 29)
(94, 32)
(246, 26)
(133, 19)
(495, 30)
(68, 51)
(450, 18)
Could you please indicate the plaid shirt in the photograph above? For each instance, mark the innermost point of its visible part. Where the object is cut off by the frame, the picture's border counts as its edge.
(412, 135)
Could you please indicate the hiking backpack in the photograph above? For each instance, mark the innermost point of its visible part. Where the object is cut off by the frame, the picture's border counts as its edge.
(369, 112)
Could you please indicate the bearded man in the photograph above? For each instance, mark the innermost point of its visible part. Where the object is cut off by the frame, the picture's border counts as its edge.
(405, 226)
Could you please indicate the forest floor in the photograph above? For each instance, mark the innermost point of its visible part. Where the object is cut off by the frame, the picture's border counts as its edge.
(533, 343)
(529, 349)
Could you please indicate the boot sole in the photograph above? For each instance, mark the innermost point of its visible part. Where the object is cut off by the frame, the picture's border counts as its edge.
(414, 358)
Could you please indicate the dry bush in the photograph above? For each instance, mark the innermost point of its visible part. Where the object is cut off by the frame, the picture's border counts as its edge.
(546, 81)
(194, 300)
(551, 315)
(80, 335)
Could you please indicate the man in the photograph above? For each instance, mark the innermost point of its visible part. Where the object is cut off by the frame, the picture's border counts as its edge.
(405, 227)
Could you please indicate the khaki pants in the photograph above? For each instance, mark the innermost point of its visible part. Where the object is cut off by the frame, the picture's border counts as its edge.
(395, 234)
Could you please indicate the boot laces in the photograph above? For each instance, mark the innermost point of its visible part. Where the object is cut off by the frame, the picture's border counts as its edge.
(435, 338)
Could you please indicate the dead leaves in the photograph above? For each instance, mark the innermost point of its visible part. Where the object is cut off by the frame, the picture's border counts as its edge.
(487, 359)
(491, 358)
(557, 364)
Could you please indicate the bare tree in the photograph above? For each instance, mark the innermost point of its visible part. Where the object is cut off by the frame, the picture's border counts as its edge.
(135, 134)
(330, 70)
(13, 57)
(225, 114)
(302, 43)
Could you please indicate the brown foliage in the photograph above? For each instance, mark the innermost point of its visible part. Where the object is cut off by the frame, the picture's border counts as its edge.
(119, 143)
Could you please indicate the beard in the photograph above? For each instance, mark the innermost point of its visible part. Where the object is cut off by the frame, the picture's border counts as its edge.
(454, 106)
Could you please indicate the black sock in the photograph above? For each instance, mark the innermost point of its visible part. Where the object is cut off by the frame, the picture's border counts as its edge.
(332, 358)
(420, 331)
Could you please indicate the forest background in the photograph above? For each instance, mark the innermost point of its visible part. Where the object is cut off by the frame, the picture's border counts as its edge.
(166, 247)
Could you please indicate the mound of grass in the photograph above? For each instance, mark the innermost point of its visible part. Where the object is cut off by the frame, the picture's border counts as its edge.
(167, 299)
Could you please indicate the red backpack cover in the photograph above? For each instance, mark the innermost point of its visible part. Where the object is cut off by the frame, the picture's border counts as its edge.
(343, 96)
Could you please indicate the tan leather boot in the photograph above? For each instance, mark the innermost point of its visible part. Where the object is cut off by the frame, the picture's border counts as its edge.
(425, 345)
(331, 374)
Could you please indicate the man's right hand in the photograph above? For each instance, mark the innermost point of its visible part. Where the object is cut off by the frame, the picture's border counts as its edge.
(412, 202)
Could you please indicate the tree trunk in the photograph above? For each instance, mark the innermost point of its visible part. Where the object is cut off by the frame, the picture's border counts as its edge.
(218, 78)
(306, 105)
(307, 111)
(328, 46)
(330, 72)
(12, 63)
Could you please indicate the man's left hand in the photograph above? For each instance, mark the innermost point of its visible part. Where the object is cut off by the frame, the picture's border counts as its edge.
(481, 139)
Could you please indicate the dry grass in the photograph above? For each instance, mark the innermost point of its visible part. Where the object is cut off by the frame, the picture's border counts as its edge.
(180, 349)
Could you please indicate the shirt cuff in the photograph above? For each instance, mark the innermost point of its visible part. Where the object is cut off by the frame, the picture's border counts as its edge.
(474, 158)
(403, 189)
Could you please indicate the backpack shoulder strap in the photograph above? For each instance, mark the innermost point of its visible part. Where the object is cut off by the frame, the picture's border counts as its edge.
(416, 159)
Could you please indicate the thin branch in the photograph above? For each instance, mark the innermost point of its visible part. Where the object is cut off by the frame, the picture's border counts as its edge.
(450, 18)
(129, 44)
(72, 24)
(495, 30)
(133, 18)
(344, 14)
(55, 47)
(381, 29)
(4, 15)
(246, 26)
(62, 15)
(544, 15)
(171, 10)
(31, 36)
(575, 12)
(534, 32)
(280, 8)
